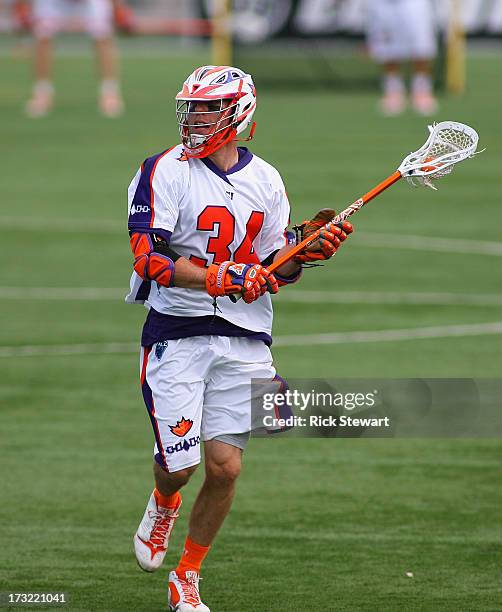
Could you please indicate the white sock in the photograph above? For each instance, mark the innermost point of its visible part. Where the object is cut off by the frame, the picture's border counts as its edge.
(392, 83)
(421, 83)
(43, 87)
(109, 86)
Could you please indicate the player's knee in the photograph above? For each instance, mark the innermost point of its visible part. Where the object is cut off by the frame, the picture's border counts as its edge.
(225, 473)
(181, 477)
(172, 480)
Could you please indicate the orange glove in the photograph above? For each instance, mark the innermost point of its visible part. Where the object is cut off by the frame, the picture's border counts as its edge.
(250, 280)
(329, 240)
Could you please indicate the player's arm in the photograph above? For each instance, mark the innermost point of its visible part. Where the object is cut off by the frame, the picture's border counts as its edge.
(323, 248)
(155, 260)
(291, 269)
(288, 273)
(277, 242)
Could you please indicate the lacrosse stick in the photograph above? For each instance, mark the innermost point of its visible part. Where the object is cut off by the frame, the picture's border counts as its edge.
(449, 142)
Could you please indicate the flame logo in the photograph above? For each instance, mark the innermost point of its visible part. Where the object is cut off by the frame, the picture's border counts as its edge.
(182, 427)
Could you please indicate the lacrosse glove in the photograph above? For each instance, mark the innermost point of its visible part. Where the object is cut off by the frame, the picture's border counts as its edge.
(251, 281)
(331, 236)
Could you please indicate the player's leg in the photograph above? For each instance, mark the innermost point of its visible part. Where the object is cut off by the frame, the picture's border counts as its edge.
(46, 21)
(223, 466)
(173, 395)
(226, 422)
(393, 100)
(422, 94)
(387, 46)
(100, 26)
(424, 48)
(111, 103)
(151, 539)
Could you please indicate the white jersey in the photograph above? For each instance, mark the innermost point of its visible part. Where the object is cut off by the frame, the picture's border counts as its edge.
(209, 216)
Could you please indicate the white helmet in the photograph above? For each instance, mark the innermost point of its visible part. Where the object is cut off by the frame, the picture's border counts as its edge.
(230, 97)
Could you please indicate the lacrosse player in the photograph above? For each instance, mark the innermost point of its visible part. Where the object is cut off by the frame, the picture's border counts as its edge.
(400, 31)
(206, 217)
(46, 18)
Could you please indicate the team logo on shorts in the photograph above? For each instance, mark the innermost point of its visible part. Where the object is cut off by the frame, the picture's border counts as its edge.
(182, 427)
(160, 349)
(183, 445)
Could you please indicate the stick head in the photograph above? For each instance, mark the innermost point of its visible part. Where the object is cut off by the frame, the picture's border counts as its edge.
(449, 142)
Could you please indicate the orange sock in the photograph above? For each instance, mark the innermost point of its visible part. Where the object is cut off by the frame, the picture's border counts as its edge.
(167, 501)
(192, 557)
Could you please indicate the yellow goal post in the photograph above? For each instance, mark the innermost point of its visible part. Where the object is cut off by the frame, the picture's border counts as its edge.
(455, 49)
(221, 38)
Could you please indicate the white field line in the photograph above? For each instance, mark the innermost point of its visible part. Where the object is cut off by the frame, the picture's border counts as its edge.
(383, 335)
(99, 226)
(287, 296)
(391, 335)
(388, 297)
(63, 350)
(62, 293)
(428, 243)
(365, 239)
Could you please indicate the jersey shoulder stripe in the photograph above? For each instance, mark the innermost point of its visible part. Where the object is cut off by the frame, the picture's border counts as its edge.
(142, 213)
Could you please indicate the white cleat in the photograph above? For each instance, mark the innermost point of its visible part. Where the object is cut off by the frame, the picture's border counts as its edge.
(183, 595)
(111, 105)
(151, 539)
(424, 104)
(41, 102)
(393, 104)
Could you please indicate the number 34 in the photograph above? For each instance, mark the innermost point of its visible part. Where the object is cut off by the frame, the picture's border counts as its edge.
(219, 245)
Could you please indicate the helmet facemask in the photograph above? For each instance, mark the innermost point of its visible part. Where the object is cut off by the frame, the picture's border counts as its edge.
(215, 104)
(206, 125)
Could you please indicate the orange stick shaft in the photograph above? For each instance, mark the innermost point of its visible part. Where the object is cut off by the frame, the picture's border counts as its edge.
(350, 210)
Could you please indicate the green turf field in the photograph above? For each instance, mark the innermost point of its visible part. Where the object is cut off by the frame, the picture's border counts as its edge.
(317, 524)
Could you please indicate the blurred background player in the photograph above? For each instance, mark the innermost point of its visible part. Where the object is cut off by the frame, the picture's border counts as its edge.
(47, 17)
(399, 31)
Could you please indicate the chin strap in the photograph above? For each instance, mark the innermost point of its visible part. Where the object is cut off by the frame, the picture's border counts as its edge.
(251, 134)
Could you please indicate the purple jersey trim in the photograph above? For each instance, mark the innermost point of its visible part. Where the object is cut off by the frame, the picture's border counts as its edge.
(150, 406)
(140, 218)
(160, 327)
(160, 460)
(288, 280)
(283, 411)
(290, 236)
(143, 291)
(245, 156)
(163, 233)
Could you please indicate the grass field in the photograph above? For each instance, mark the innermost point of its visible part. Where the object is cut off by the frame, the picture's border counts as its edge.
(317, 524)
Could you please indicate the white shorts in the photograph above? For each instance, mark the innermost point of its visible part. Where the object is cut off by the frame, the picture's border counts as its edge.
(400, 30)
(51, 16)
(198, 388)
